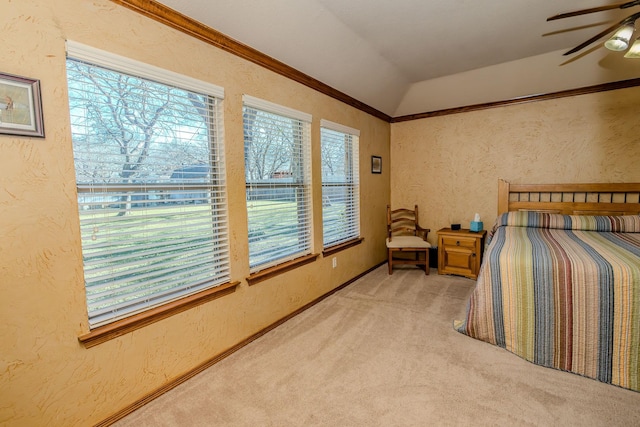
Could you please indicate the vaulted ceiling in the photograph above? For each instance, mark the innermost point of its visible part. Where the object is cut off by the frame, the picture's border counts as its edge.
(406, 57)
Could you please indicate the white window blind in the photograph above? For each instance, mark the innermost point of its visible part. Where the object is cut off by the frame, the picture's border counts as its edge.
(277, 167)
(340, 183)
(151, 184)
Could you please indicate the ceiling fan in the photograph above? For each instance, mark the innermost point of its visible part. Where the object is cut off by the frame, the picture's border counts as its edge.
(620, 40)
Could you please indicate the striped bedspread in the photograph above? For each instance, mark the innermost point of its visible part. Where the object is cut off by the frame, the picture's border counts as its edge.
(564, 292)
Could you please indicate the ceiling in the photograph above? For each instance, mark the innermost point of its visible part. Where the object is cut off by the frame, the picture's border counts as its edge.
(400, 56)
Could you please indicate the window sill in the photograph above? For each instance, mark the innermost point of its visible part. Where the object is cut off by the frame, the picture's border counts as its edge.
(140, 320)
(342, 246)
(279, 269)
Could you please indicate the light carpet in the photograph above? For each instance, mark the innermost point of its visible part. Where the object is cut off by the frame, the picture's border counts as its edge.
(383, 352)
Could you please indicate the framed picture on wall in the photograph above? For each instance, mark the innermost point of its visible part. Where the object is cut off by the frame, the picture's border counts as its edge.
(20, 106)
(376, 164)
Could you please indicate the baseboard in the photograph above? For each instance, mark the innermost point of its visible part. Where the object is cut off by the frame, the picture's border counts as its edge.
(193, 372)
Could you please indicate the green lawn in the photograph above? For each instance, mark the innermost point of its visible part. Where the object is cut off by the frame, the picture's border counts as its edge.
(153, 241)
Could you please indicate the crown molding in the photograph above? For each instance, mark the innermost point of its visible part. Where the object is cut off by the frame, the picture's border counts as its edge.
(522, 100)
(165, 15)
(174, 19)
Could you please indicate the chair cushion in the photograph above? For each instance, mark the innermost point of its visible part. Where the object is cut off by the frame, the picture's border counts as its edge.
(407, 242)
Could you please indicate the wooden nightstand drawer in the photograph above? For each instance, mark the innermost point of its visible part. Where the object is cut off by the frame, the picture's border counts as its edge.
(460, 252)
(463, 242)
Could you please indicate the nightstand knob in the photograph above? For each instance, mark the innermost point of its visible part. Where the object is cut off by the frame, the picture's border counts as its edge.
(458, 243)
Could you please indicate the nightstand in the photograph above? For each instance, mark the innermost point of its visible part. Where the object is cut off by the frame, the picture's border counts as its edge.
(460, 252)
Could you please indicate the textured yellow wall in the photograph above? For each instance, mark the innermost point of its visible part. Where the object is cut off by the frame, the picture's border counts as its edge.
(46, 376)
(450, 165)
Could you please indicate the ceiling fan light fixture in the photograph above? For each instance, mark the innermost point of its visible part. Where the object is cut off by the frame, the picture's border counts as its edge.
(621, 39)
(634, 52)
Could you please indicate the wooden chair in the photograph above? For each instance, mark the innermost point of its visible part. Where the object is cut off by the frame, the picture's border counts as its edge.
(404, 234)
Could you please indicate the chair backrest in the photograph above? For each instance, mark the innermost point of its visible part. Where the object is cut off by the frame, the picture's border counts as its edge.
(402, 222)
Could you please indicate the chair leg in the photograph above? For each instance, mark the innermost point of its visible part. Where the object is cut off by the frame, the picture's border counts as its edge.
(417, 257)
(426, 261)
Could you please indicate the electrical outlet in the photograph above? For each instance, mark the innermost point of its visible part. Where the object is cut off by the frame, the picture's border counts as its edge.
(334, 262)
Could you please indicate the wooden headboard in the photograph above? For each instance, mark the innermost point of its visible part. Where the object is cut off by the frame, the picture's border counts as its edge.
(570, 199)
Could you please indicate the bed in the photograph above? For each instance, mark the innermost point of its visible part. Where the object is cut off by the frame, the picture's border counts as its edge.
(559, 284)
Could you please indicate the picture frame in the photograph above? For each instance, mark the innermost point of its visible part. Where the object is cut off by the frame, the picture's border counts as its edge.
(376, 164)
(20, 106)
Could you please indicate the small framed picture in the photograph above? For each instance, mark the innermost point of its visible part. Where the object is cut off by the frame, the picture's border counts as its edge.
(376, 164)
(20, 106)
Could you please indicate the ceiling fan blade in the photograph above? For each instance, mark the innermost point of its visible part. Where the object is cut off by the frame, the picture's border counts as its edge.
(594, 9)
(629, 19)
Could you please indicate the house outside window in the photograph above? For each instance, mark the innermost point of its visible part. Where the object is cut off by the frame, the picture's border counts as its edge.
(278, 182)
(148, 155)
(340, 183)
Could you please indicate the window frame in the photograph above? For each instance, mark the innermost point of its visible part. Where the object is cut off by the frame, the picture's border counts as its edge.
(219, 285)
(303, 188)
(352, 238)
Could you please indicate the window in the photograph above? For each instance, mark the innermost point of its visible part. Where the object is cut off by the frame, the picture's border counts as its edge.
(340, 183)
(277, 169)
(149, 168)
